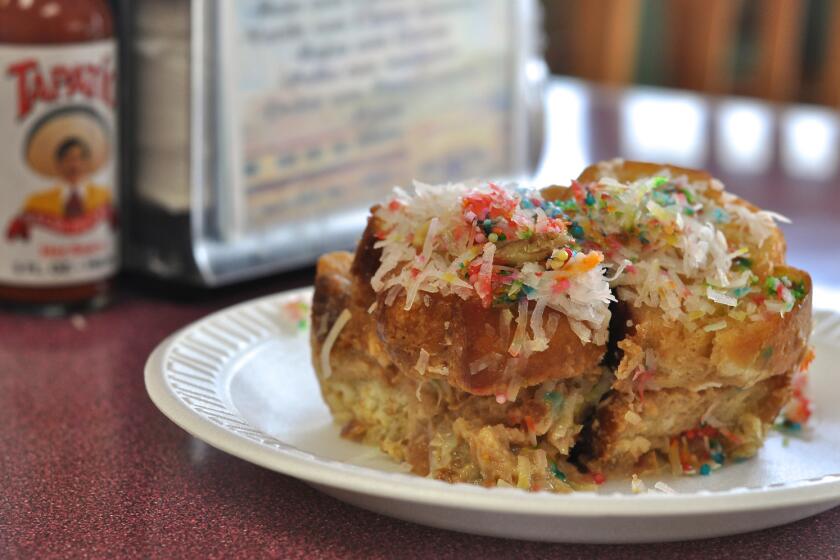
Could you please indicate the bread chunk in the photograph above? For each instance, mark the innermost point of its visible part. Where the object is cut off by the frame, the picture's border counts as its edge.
(633, 435)
(740, 354)
(640, 319)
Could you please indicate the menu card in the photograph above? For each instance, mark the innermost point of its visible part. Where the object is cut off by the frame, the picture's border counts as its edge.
(327, 104)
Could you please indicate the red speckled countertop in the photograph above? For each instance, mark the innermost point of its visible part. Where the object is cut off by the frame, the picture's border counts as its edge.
(90, 468)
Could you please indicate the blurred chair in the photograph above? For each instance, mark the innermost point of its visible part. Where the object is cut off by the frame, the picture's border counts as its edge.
(828, 81)
(699, 40)
(749, 47)
(777, 72)
(593, 39)
(704, 39)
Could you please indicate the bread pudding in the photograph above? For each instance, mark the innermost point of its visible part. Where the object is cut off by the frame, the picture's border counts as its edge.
(641, 318)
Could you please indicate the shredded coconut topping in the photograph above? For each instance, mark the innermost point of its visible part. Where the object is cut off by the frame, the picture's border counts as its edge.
(665, 237)
(505, 246)
(663, 487)
(662, 238)
(422, 361)
(332, 336)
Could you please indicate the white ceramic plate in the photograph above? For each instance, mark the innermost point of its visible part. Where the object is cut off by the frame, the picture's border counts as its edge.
(241, 381)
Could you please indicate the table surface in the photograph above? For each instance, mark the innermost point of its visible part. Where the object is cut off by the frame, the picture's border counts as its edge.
(89, 467)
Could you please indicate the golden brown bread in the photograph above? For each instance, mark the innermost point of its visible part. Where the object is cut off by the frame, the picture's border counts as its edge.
(627, 430)
(408, 381)
(457, 333)
(742, 354)
(377, 404)
(669, 370)
(356, 349)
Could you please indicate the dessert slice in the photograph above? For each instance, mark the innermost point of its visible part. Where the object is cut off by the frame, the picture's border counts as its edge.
(641, 318)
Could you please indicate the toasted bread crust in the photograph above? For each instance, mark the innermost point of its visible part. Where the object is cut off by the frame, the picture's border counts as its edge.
(742, 354)
(456, 333)
(745, 352)
(356, 351)
(626, 429)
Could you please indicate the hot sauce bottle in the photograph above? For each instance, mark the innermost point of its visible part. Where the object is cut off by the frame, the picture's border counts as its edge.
(58, 222)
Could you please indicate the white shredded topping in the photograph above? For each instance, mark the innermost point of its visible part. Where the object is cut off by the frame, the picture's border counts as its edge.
(511, 371)
(776, 216)
(708, 417)
(434, 241)
(422, 361)
(505, 317)
(720, 297)
(760, 225)
(484, 362)
(440, 370)
(392, 295)
(540, 341)
(665, 237)
(705, 386)
(619, 270)
(664, 488)
(720, 325)
(521, 334)
(513, 389)
(551, 326)
(332, 336)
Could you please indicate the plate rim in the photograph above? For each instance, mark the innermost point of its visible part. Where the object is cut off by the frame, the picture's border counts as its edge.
(411, 488)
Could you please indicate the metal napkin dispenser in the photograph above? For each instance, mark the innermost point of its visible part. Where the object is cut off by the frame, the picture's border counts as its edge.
(258, 132)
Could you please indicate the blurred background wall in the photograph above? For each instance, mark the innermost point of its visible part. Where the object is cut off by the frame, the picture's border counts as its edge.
(780, 50)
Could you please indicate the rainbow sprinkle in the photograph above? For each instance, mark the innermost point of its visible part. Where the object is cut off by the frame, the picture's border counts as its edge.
(297, 312)
(500, 244)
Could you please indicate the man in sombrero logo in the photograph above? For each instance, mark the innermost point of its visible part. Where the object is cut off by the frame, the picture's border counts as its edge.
(68, 146)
